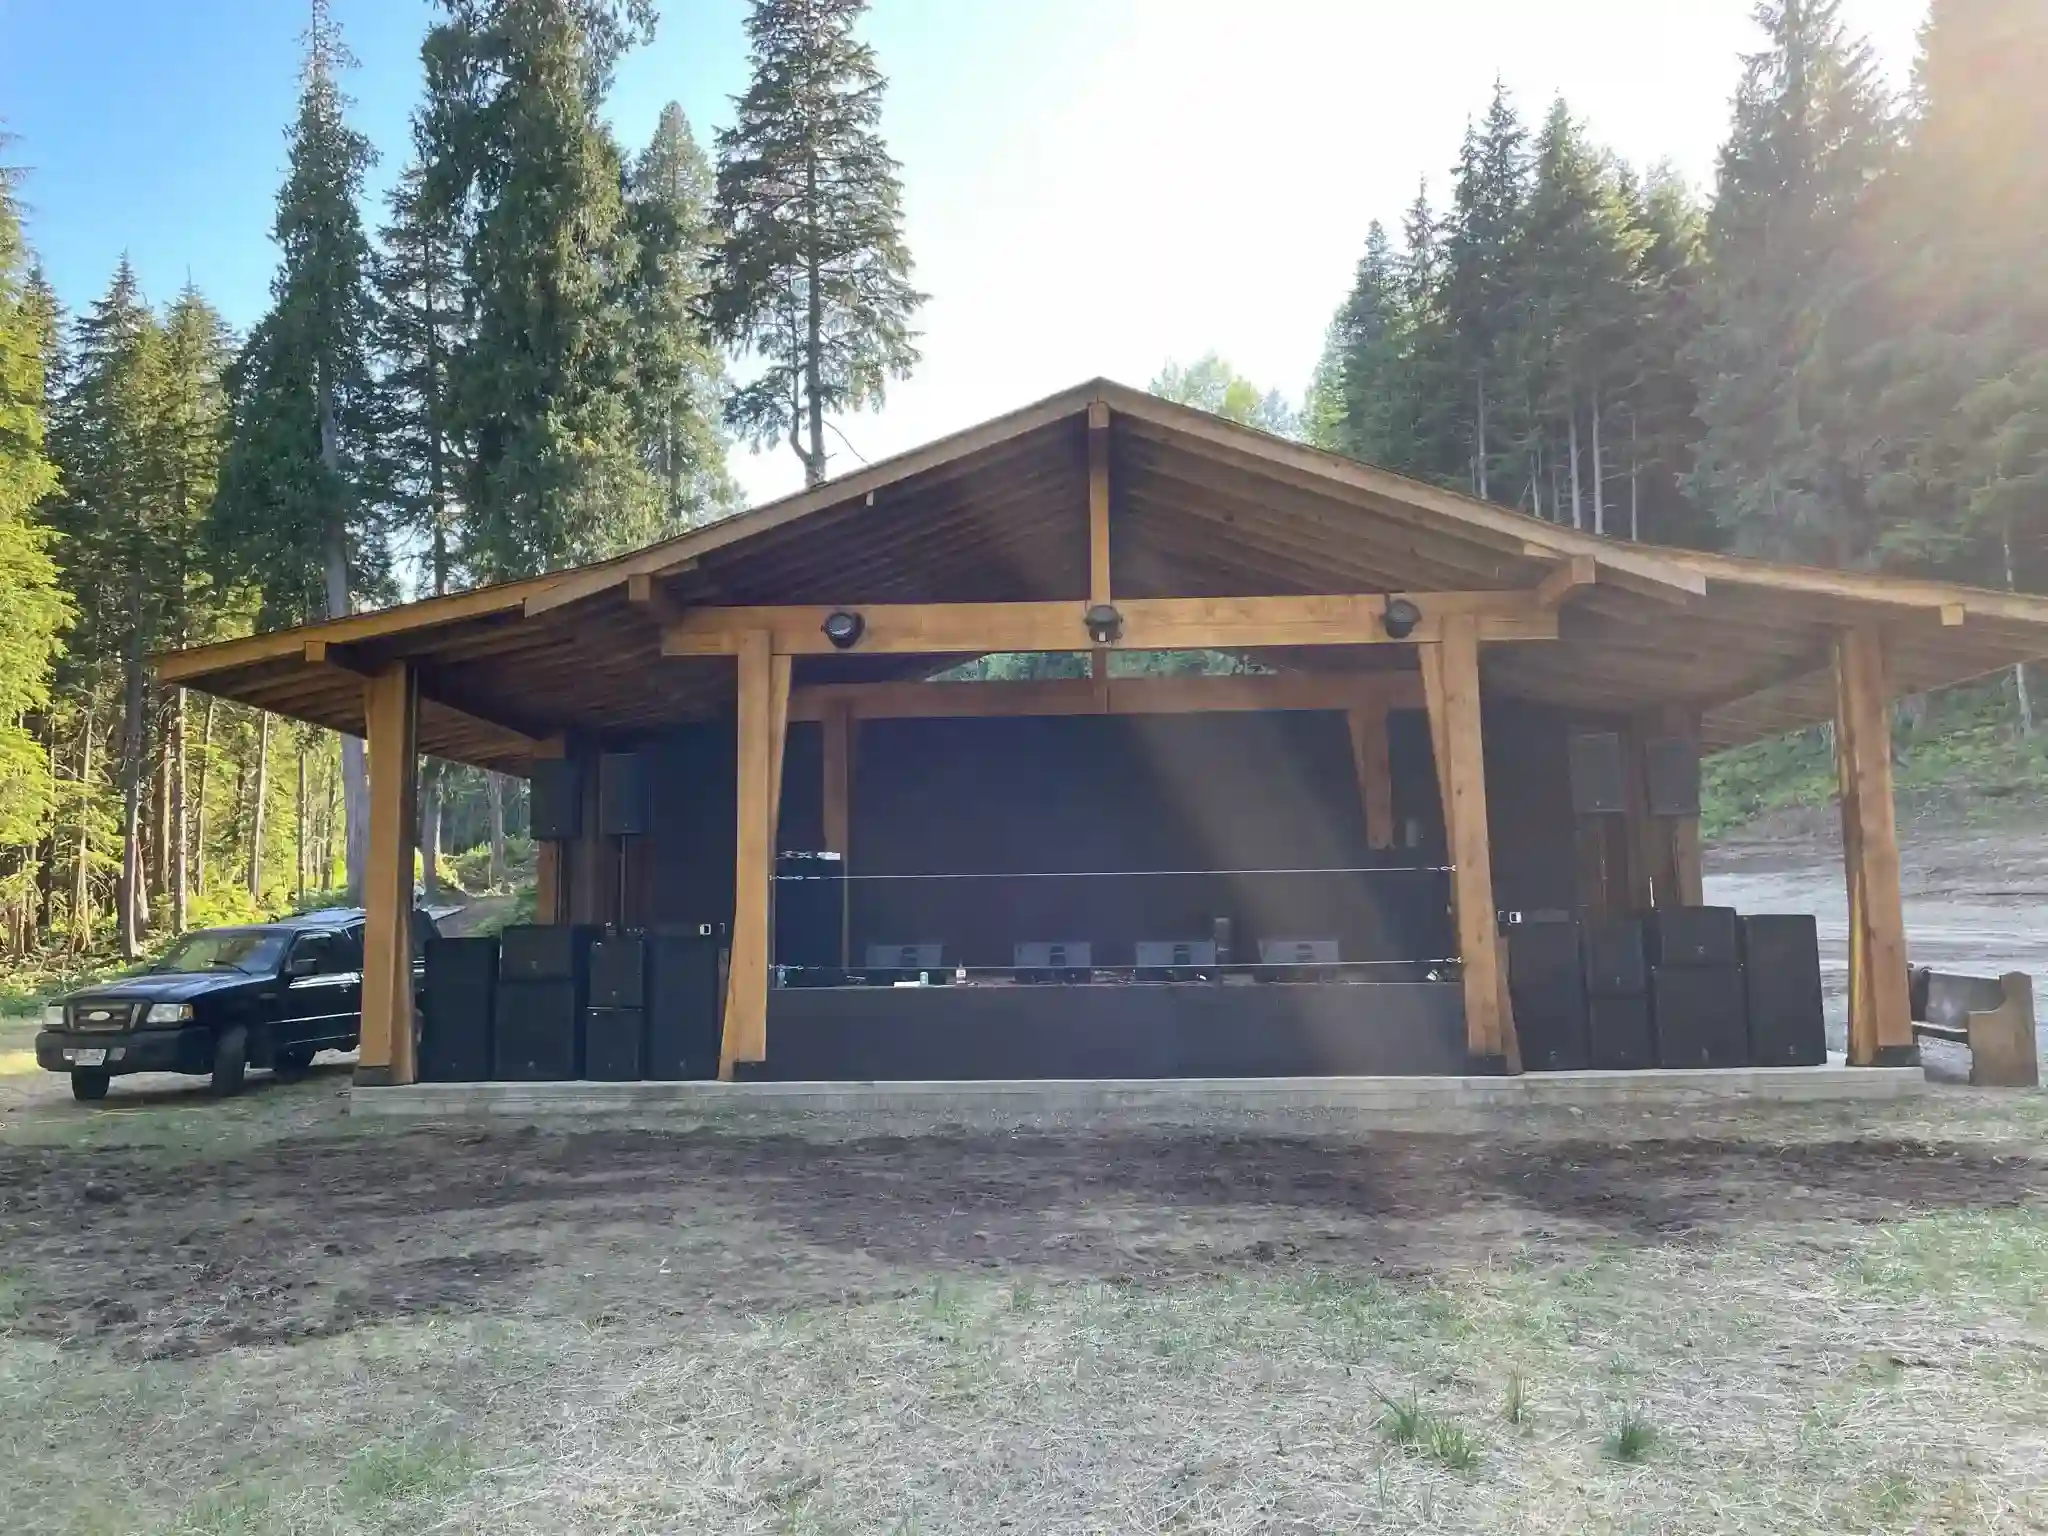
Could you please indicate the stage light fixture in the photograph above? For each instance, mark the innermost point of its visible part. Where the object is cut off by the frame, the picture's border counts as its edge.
(844, 629)
(1400, 619)
(1105, 624)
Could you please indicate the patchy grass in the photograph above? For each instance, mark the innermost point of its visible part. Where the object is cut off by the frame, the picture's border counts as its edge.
(1806, 1320)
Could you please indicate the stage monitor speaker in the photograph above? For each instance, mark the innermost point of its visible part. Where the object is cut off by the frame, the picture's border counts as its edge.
(886, 960)
(1543, 951)
(1703, 936)
(545, 952)
(614, 1044)
(1617, 963)
(1698, 1014)
(622, 794)
(1618, 1035)
(455, 1013)
(1598, 774)
(1671, 776)
(555, 800)
(1174, 959)
(810, 912)
(1781, 973)
(536, 1038)
(618, 971)
(684, 1005)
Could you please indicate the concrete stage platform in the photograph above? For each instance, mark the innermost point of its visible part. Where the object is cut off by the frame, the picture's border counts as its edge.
(1360, 1098)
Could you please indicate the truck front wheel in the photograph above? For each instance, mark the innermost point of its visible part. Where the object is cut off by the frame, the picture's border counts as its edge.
(230, 1061)
(89, 1084)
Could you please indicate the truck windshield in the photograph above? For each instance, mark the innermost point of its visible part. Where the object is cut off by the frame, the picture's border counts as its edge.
(254, 950)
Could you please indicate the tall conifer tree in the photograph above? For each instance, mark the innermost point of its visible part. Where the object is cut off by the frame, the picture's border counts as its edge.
(812, 275)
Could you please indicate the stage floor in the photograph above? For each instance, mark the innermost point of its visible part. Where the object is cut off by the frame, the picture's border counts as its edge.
(1361, 1100)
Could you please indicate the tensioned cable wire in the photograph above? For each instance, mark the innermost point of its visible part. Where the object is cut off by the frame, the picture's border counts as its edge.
(1133, 874)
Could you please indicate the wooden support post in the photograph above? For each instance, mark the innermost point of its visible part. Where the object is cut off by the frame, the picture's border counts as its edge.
(391, 722)
(1682, 833)
(746, 1005)
(547, 856)
(1375, 771)
(1099, 587)
(837, 726)
(1650, 879)
(1880, 1022)
(1451, 683)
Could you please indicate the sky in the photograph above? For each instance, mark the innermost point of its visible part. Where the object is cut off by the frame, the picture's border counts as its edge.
(1091, 187)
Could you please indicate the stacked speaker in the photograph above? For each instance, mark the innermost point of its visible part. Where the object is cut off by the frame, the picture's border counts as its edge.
(543, 980)
(457, 1009)
(1781, 983)
(1697, 997)
(615, 1020)
(1548, 988)
(1619, 1037)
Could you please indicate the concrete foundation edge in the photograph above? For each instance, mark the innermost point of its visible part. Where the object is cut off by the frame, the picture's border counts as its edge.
(1387, 1095)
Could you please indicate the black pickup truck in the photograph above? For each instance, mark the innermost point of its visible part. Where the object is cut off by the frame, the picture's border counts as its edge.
(220, 1001)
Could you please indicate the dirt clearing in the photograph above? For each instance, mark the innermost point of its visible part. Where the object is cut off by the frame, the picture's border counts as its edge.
(258, 1316)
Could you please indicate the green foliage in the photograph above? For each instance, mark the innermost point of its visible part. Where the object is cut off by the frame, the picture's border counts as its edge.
(811, 275)
(1633, 1438)
(1211, 384)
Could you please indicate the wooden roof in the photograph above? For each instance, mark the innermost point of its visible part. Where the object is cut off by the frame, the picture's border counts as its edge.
(1200, 507)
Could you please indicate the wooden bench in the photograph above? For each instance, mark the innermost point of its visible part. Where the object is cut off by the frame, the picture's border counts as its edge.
(1994, 1018)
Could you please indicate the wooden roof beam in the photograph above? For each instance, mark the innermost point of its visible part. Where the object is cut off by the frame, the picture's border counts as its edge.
(1565, 578)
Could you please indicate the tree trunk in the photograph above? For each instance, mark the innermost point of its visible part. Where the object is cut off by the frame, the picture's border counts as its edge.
(1479, 443)
(160, 817)
(299, 841)
(334, 819)
(181, 853)
(199, 799)
(430, 827)
(1578, 516)
(256, 812)
(2022, 695)
(814, 338)
(81, 869)
(1599, 473)
(354, 780)
(134, 748)
(494, 795)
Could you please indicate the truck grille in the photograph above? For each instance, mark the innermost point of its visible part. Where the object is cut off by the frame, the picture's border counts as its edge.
(108, 1016)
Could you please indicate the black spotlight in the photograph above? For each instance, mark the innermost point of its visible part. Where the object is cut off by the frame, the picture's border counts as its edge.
(1400, 619)
(844, 629)
(1105, 624)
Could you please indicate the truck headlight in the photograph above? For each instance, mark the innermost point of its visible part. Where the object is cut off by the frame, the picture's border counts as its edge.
(167, 1013)
(53, 1015)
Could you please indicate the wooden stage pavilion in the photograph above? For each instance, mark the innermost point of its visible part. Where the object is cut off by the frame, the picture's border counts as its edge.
(1101, 520)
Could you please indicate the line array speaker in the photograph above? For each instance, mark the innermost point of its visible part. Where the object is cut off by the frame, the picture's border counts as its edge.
(622, 794)
(456, 1012)
(555, 800)
(1781, 975)
(1598, 774)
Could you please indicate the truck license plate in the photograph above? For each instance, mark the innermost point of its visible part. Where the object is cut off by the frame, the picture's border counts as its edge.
(94, 1058)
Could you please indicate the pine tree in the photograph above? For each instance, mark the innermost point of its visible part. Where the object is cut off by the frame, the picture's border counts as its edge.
(1481, 252)
(290, 521)
(678, 378)
(1780, 461)
(32, 609)
(812, 274)
(514, 145)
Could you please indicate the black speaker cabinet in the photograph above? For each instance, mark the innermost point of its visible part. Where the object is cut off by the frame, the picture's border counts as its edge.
(618, 971)
(537, 1034)
(1549, 994)
(1616, 963)
(1698, 1013)
(555, 800)
(683, 1006)
(455, 1014)
(1781, 973)
(1671, 776)
(1598, 774)
(1543, 950)
(1707, 936)
(810, 907)
(614, 1044)
(545, 952)
(1618, 1036)
(622, 794)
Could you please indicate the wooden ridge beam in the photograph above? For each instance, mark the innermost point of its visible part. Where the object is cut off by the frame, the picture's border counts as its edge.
(919, 700)
(1149, 624)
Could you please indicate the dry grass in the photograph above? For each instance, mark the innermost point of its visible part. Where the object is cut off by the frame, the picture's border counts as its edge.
(1783, 1376)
